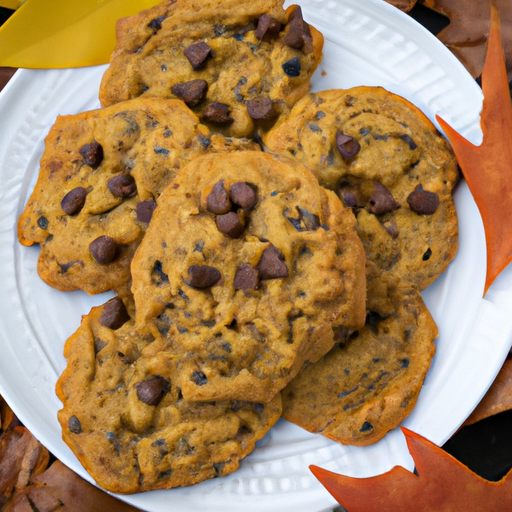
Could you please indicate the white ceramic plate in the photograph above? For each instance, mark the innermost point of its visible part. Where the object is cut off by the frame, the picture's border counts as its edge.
(367, 43)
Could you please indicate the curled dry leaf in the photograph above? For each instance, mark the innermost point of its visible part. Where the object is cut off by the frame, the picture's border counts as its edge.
(442, 483)
(497, 399)
(28, 484)
(487, 168)
(466, 35)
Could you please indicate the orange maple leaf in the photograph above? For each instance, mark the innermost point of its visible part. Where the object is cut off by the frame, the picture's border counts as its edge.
(443, 484)
(488, 168)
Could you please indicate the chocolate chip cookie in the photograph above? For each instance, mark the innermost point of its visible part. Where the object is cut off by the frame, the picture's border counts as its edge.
(126, 420)
(387, 162)
(99, 177)
(249, 269)
(368, 383)
(237, 64)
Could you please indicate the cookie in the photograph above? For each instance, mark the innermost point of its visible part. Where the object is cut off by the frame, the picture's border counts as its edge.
(366, 385)
(99, 177)
(249, 268)
(386, 161)
(126, 421)
(237, 64)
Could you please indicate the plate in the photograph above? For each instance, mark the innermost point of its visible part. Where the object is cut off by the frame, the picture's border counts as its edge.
(367, 43)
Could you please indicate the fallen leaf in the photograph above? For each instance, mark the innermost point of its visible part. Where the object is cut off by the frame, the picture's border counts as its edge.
(442, 484)
(487, 168)
(67, 35)
(59, 488)
(466, 35)
(403, 5)
(497, 399)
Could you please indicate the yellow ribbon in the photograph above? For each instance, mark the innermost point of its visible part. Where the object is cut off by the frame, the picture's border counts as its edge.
(63, 33)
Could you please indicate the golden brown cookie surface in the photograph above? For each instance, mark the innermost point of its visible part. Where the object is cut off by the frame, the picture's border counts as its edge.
(235, 63)
(386, 161)
(100, 174)
(125, 419)
(249, 268)
(365, 387)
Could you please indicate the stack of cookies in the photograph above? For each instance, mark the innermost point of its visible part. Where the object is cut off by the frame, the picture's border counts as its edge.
(266, 246)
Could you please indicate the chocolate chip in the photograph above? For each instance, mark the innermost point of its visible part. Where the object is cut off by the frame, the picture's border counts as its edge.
(292, 67)
(246, 278)
(202, 276)
(267, 28)
(103, 249)
(151, 391)
(423, 202)
(381, 200)
(367, 427)
(347, 146)
(427, 254)
(156, 24)
(74, 425)
(122, 185)
(42, 222)
(74, 201)
(307, 221)
(144, 210)
(92, 154)
(231, 224)
(114, 314)
(243, 194)
(351, 196)
(199, 378)
(261, 108)
(197, 54)
(271, 264)
(217, 113)
(218, 201)
(298, 34)
(190, 92)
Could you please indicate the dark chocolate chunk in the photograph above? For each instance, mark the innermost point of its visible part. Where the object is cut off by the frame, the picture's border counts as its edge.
(261, 108)
(231, 224)
(409, 140)
(367, 427)
(347, 146)
(144, 210)
(92, 154)
(243, 194)
(423, 202)
(151, 391)
(114, 314)
(191, 92)
(122, 185)
(307, 221)
(103, 249)
(156, 24)
(159, 277)
(218, 201)
(381, 200)
(197, 54)
(298, 34)
(199, 378)
(42, 222)
(267, 28)
(74, 201)
(292, 67)
(217, 113)
(74, 425)
(271, 264)
(351, 196)
(202, 276)
(246, 278)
